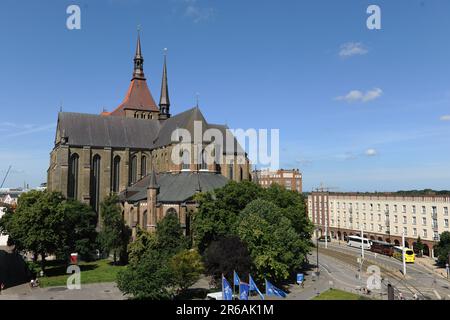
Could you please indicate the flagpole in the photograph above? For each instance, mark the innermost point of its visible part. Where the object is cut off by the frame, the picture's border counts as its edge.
(234, 282)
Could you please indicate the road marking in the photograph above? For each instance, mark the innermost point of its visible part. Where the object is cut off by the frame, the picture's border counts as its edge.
(437, 294)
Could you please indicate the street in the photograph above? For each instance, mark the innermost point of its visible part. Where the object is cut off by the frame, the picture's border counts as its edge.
(341, 262)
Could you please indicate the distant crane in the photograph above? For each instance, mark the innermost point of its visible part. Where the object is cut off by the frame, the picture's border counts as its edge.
(322, 188)
(6, 175)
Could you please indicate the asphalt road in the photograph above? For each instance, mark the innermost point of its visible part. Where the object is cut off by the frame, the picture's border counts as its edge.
(341, 262)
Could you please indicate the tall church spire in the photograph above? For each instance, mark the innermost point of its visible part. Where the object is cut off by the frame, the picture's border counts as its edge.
(138, 72)
(164, 101)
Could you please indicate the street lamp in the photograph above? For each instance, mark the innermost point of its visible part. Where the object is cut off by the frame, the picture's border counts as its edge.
(317, 251)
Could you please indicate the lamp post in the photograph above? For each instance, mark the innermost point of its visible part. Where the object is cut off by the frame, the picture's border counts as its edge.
(403, 253)
(317, 251)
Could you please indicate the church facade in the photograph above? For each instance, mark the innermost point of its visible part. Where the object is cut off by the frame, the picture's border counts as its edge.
(129, 151)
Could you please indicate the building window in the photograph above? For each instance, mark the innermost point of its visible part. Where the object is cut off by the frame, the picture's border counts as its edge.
(171, 211)
(404, 209)
(186, 160)
(133, 170)
(425, 233)
(396, 229)
(405, 231)
(404, 220)
(414, 209)
(95, 182)
(424, 221)
(203, 162)
(414, 220)
(241, 174)
(414, 231)
(230, 171)
(72, 191)
(446, 223)
(445, 211)
(424, 210)
(396, 219)
(395, 208)
(143, 166)
(116, 174)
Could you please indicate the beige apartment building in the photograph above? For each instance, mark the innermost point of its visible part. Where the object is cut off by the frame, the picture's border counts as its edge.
(381, 216)
(290, 179)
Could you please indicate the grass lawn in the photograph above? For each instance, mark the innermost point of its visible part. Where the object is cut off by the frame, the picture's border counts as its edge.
(334, 294)
(91, 272)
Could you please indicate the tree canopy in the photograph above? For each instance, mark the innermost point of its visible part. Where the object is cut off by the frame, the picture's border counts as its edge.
(46, 223)
(150, 273)
(272, 223)
(442, 249)
(114, 235)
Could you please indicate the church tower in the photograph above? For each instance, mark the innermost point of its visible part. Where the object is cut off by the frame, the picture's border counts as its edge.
(138, 102)
(164, 102)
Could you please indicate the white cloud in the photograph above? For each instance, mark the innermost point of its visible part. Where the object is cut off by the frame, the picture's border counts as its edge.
(196, 12)
(445, 117)
(359, 96)
(351, 49)
(371, 152)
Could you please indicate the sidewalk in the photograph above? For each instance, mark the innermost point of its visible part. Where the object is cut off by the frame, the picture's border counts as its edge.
(430, 264)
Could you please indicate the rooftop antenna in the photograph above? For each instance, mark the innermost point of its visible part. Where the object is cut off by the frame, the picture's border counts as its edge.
(61, 106)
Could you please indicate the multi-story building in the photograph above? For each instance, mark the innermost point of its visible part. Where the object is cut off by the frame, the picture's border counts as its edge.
(290, 179)
(381, 216)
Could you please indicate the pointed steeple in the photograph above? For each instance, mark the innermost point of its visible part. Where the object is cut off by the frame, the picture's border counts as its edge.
(138, 72)
(164, 101)
(153, 184)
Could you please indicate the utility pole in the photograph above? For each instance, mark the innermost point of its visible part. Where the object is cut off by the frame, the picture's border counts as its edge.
(403, 253)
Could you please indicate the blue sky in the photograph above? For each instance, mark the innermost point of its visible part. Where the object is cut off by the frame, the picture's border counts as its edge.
(357, 109)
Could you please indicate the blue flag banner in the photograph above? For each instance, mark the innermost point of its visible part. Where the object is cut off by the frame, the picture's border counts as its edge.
(271, 290)
(236, 279)
(253, 287)
(243, 291)
(227, 293)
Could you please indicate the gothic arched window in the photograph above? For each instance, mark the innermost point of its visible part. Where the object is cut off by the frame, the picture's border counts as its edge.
(95, 182)
(133, 170)
(230, 171)
(171, 211)
(72, 188)
(116, 174)
(203, 162)
(143, 166)
(186, 160)
(241, 174)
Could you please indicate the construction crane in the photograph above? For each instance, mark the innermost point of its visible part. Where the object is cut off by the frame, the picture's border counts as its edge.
(6, 175)
(322, 188)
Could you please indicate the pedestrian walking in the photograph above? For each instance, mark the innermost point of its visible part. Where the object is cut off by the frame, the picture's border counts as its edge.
(2, 286)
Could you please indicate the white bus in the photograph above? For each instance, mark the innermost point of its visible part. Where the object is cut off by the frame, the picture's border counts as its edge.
(357, 242)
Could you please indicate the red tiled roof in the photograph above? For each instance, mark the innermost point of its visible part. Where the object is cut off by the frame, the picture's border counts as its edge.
(138, 98)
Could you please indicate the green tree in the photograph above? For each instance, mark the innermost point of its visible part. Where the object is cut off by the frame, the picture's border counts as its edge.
(225, 255)
(148, 274)
(276, 248)
(219, 210)
(169, 235)
(45, 223)
(442, 249)
(187, 267)
(419, 246)
(114, 235)
(150, 278)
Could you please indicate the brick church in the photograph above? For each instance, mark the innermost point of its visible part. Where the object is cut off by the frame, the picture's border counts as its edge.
(128, 152)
